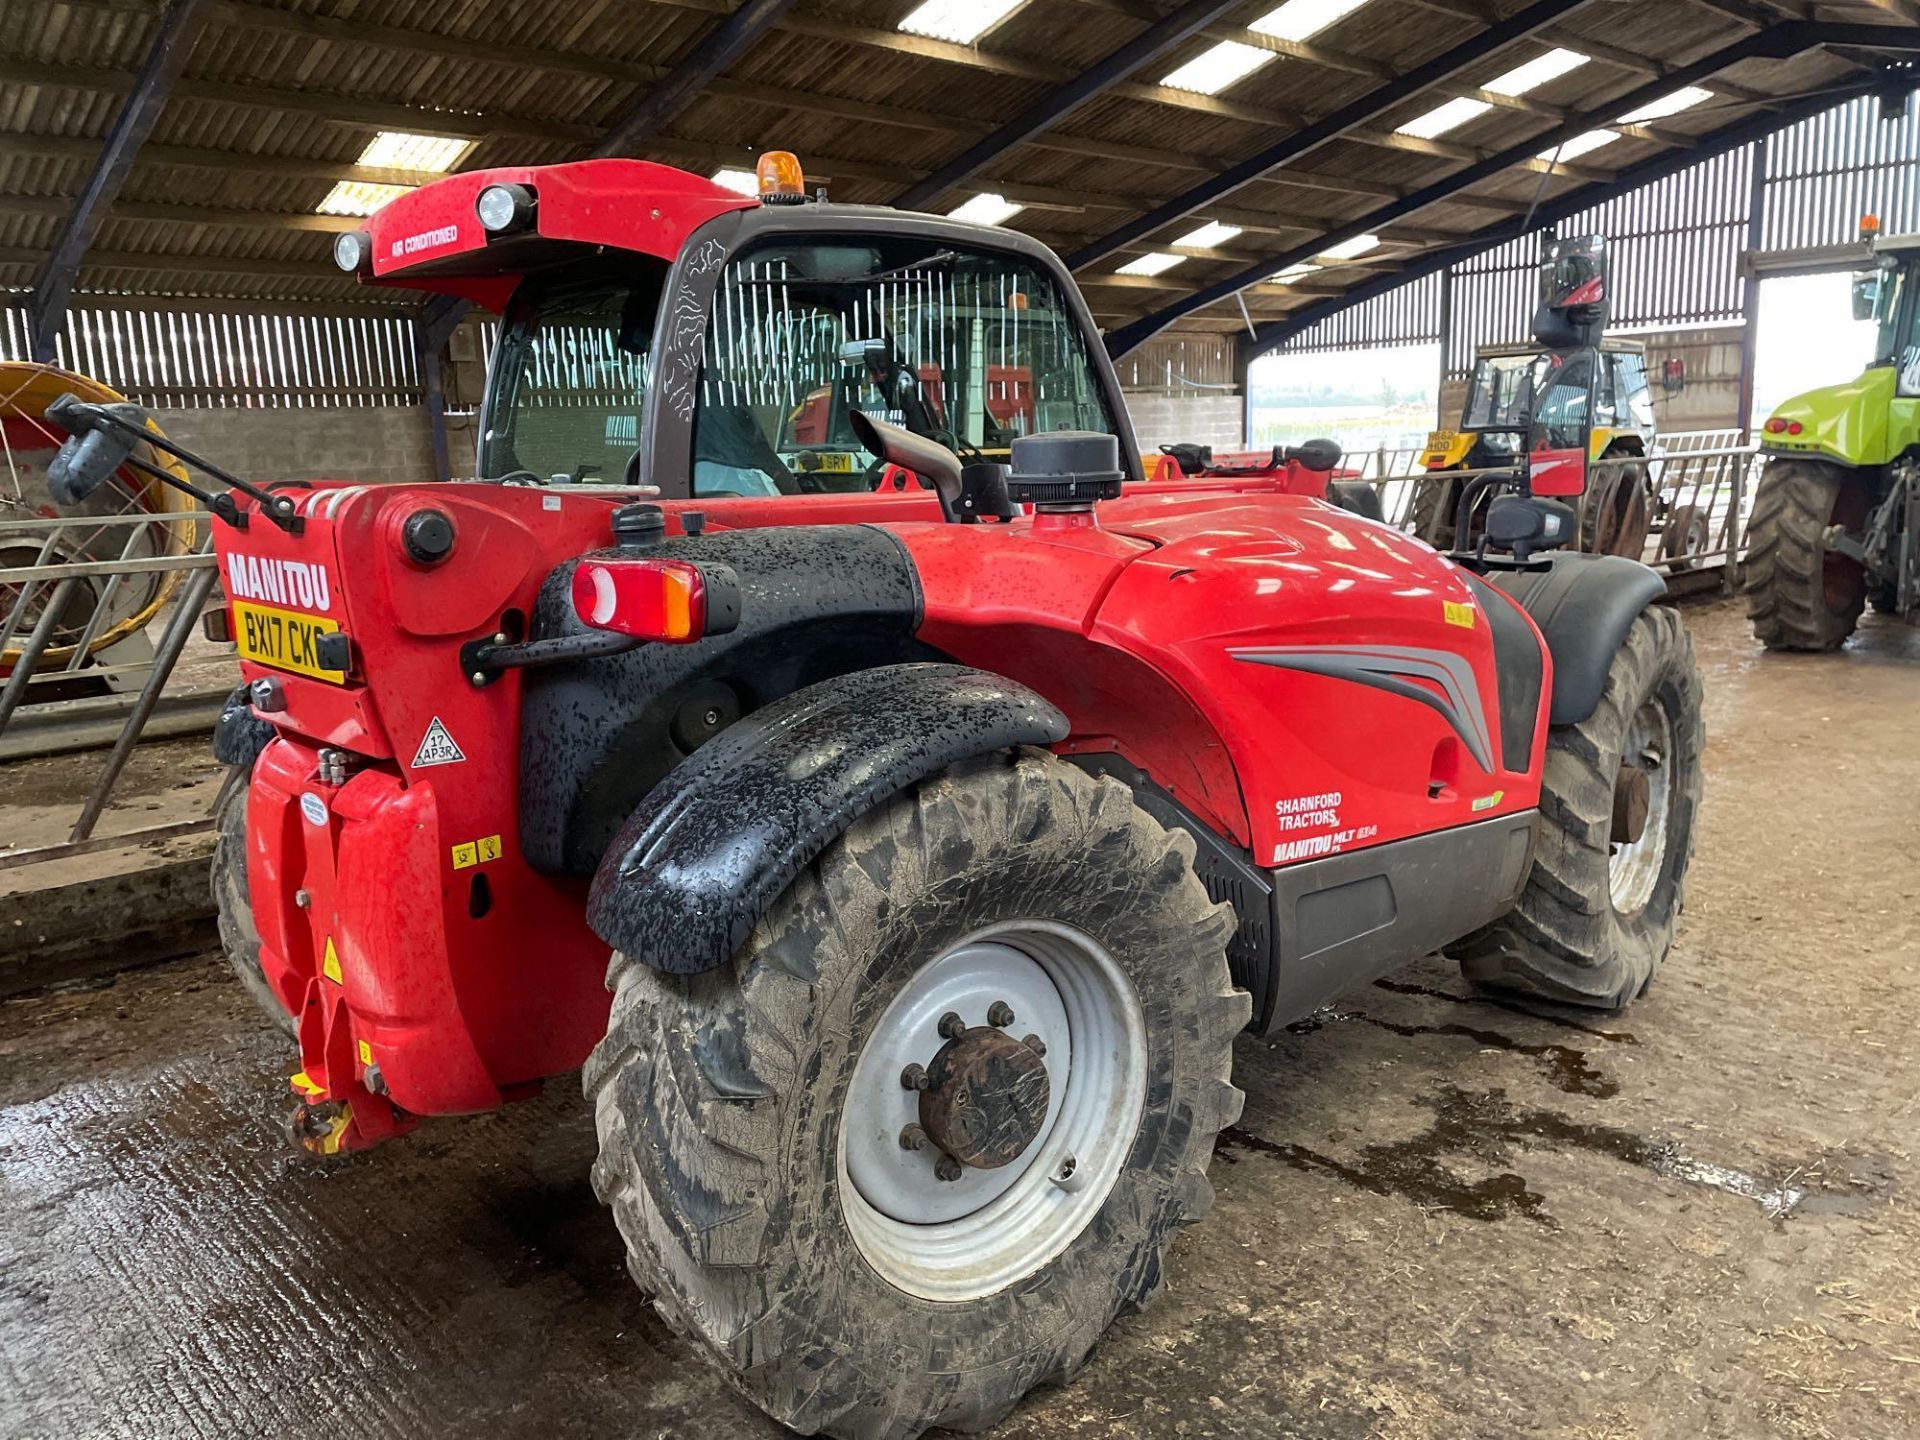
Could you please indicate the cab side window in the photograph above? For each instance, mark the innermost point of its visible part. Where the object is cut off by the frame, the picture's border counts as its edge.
(1606, 409)
(1636, 398)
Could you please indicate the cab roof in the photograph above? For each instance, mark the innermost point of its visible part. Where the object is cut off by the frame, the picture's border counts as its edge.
(431, 239)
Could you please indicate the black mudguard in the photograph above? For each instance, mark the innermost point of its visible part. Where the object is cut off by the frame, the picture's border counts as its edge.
(714, 844)
(240, 735)
(1584, 606)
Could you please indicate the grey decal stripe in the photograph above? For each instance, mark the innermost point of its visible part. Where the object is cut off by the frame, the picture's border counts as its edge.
(1395, 669)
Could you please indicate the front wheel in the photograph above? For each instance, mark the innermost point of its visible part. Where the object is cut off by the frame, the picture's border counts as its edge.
(1800, 594)
(1617, 810)
(239, 938)
(908, 1155)
(1436, 496)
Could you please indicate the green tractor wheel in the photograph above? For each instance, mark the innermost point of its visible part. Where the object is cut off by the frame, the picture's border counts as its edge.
(1800, 594)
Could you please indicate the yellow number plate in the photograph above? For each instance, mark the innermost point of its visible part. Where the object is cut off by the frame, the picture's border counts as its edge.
(284, 639)
(813, 462)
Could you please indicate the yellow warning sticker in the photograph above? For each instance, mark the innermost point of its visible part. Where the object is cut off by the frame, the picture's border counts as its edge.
(330, 964)
(1487, 802)
(476, 852)
(366, 1053)
(1458, 614)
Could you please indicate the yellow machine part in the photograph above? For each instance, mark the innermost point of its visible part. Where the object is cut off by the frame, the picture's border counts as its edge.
(1445, 449)
(26, 390)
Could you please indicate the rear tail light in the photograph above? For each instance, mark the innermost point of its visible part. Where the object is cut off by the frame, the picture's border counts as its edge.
(672, 600)
(1795, 427)
(1776, 426)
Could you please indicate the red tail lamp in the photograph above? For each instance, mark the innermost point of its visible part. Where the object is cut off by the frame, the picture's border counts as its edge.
(1777, 426)
(675, 601)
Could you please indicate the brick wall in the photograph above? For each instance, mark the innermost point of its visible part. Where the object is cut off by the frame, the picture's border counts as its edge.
(367, 445)
(1215, 420)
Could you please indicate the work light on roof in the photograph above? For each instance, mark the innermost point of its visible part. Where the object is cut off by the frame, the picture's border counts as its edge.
(351, 249)
(503, 207)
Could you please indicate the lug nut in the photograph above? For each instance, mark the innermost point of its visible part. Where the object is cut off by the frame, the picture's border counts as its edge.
(951, 1026)
(913, 1138)
(999, 1015)
(914, 1077)
(946, 1168)
(1035, 1044)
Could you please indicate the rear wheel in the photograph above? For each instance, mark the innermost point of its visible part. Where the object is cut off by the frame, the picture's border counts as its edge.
(1616, 834)
(1435, 497)
(1800, 594)
(238, 936)
(908, 1155)
(1614, 520)
(1686, 537)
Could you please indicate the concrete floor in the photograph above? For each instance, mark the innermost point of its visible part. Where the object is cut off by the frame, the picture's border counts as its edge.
(1440, 1216)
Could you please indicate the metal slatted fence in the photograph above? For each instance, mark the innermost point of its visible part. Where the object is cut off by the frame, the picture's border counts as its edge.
(190, 358)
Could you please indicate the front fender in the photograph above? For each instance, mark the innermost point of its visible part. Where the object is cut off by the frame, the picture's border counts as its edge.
(1584, 606)
(715, 843)
(1849, 423)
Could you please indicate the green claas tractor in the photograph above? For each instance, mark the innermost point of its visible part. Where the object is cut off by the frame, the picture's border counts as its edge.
(1836, 519)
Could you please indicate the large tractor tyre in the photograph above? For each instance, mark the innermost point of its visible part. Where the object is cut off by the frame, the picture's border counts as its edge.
(1617, 810)
(1435, 499)
(912, 1150)
(1358, 497)
(238, 937)
(1800, 594)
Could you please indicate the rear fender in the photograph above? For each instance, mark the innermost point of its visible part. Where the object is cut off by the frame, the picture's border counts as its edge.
(715, 843)
(1584, 606)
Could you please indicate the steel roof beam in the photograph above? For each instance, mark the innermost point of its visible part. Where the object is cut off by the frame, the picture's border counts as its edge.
(1780, 42)
(166, 58)
(717, 52)
(1369, 107)
(1062, 100)
(1656, 167)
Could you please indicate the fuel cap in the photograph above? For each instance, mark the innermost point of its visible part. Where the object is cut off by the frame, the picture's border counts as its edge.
(427, 536)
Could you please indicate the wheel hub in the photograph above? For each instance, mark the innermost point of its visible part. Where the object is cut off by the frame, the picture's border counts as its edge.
(986, 1099)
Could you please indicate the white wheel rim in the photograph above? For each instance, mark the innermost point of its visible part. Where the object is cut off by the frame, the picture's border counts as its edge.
(1633, 869)
(963, 1239)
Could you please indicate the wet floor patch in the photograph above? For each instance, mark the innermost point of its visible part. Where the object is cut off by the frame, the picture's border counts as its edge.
(1487, 1128)
(1563, 1066)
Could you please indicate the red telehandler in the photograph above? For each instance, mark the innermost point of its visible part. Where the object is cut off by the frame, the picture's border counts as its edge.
(897, 839)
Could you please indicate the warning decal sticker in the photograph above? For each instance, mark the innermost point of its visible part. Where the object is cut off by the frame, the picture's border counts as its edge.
(437, 748)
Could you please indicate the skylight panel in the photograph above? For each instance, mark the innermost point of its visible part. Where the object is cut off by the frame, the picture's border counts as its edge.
(1293, 273)
(1156, 263)
(987, 210)
(1442, 118)
(1535, 73)
(1214, 70)
(1348, 249)
(359, 197)
(1208, 236)
(1685, 98)
(745, 182)
(961, 21)
(401, 150)
(1580, 145)
(1303, 19)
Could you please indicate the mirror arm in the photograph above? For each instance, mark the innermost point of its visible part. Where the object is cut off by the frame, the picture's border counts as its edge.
(277, 508)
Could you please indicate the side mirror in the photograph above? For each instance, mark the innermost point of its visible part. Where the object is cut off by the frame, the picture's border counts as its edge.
(1322, 455)
(93, 452)
(897, 445)
(1525, 524)
(1673, 375)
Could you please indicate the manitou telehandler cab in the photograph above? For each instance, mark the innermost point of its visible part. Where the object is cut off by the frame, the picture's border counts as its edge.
(1565, 405)
(1836, 517)
(899, 864)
